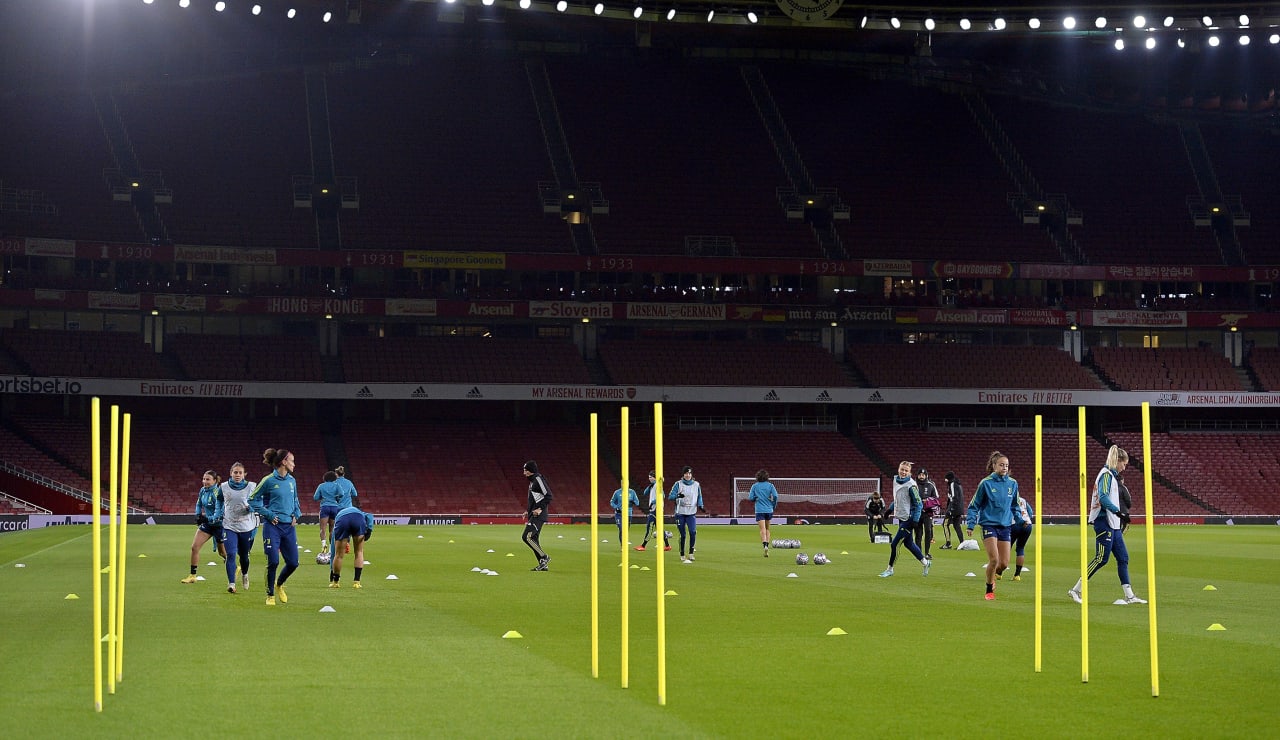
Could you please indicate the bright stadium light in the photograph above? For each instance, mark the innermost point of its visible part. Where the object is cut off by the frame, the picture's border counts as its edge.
(999, 24)
(328, 16)
(1168, 21)
(863, 22)
(1182, 43)
(1274, 39)
(1150, 43)
(598, 9)
(256, 10)
(895, 23)
(184, 3)
(1139, 21)
(965, 24)
(487, 3)
(1119, 44)
(562, 5)
(1033, 24)
(524, 4)
(292, 12)
(1214, 41)
(929, 24)
(1244, 40)
(148, 2)
(1206, 21)
(671, 14)
(752, 18)
(1069, 23)
(219, 6)
(1100, 22)
(639, 11)
(710, 15)
(1243, 20)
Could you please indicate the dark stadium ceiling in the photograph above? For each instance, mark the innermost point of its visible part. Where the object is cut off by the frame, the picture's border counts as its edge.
(1016, 18)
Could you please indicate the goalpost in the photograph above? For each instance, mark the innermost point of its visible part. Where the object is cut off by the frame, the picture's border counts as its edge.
(800, 497)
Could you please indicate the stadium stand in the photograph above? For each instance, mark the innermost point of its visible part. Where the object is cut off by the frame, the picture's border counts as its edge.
(247, 357)
(1242, 170)
(1265, 363)
(446, 173)
(94, 354)
(1131, 213)
(917, 190)
(461, 360)
(686, 362)
(1194, 461)
(715, 173)
(1138, 368)
(968, 366)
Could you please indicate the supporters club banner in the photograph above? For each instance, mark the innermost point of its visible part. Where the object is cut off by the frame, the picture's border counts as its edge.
(1145, 319)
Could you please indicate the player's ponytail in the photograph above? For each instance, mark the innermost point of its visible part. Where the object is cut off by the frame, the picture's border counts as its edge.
(1115, 456)
(274, 457)
(992, 460)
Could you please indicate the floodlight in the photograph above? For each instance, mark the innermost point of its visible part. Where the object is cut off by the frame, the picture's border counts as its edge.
(929, 24)
(710, 15)
(671, 14)
(895, 22)
(562, 5)
(1100, 22)
(1150, 43)
(1168, 21)
(328, 16)
(256, 10)
(965, 24)
(1214, 41)
(639, 11)
(752, 17)
(1139, 21)
(1243, 20)
(598, 9)
(1119, 44)
(999, 24)
(1069, 22)
(1244, 40)
(1033, 24)
(292, 12)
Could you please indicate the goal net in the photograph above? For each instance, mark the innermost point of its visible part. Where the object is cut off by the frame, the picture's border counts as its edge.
(800, 497)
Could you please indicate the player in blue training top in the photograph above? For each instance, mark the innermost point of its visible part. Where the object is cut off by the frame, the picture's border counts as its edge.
(276, 501)
(992, 507)
(908, 508)
(208, 523)
(1020, 532)
(1109, 521)
(330, 496)
(618, 515)
(239, 524)
(355, 527)
(349, 495)
(651, 496)
(687, 493)
(766, 497)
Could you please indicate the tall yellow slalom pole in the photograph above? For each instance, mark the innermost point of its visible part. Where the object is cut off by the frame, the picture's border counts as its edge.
(1084, 552)
(626, 551)
(95, 508)
(1151, 548)
(595, 562)
(1038, 569)
(124, 545)
(113, 547)
(662, 560)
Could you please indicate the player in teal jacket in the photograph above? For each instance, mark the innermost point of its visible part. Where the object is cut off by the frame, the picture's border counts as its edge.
(276, 501)
(618, 515)
(208, 523)
(765, 496)
(355, 526)
(908, 509)
(331, 498)
(992, 507)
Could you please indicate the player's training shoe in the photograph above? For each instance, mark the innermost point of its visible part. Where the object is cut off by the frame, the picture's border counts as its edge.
(666, 548)
(927, 563)
(284, 597)
(887, 572)
(691, 558)
(356, 585)
(244, 581)
(334, 584)
(190, 579)
(271, 601)
(990, 597)
(1135, 600)
(639, 548)
(231, 588)
(1017, 578)
(766, 552)
(1075, 596)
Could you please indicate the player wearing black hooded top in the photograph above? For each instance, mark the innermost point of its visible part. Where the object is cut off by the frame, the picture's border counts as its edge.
(536, 512)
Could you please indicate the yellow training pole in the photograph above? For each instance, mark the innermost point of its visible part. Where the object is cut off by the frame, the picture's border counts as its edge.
(113, 553)
(662, 571)
(595, 563)
(1084, 553)
(124, 546)
(1036, 569)
(1151, 548)
(95, 508)
(626, 551)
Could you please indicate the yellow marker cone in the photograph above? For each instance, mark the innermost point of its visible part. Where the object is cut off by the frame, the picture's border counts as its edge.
(1215, 627)
(844, 552)
(645, 568)
(635, 567)
(511, 554)
(836, 631)
(512, 635)
(106, 569)
(671, 593)
(70, 596)
(1211, 587)
(143, 555)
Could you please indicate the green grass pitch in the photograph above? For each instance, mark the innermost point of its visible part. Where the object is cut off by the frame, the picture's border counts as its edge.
(748, 654)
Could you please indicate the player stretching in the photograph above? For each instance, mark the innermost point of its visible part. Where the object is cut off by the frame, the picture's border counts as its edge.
(354, 526)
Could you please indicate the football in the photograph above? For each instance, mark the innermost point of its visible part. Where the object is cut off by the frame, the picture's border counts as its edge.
(820, 559)
(802, 559)
(322, 558)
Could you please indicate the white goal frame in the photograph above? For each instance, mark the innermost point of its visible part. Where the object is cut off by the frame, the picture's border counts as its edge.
(806, 497)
